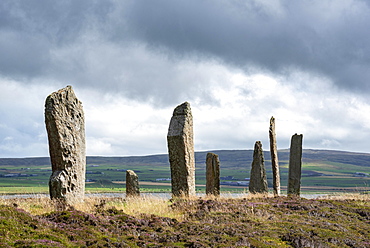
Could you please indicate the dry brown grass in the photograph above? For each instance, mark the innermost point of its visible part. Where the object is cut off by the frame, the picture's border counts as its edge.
(148, 204)
(39, 204)
(347, 196)
(145, 204)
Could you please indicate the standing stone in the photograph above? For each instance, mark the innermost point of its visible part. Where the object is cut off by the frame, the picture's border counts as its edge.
(258, 180)
(181, 151)
(212, 174)
(65, 125)
(132, 184)
(295, 165)
(274, 158)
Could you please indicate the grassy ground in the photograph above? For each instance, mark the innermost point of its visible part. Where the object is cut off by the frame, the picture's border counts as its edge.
(250, 221)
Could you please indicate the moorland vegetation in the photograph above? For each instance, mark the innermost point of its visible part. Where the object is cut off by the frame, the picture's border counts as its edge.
(247, 221)
(341, 220)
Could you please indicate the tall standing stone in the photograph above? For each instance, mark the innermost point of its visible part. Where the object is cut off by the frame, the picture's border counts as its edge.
(181, 151)
(274, 158)
(295, 165)
(258, 180)
(132, 184)
(212, 174)
(65, 125)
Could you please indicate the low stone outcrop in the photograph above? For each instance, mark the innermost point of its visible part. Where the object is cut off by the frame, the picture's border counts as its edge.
(132, 184)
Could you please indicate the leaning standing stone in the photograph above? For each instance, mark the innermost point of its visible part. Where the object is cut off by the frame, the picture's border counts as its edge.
(274, 158)
(132, 184)
(65, 125)
(181, 151)
(258, 180)
(295, 165)
(212, 174)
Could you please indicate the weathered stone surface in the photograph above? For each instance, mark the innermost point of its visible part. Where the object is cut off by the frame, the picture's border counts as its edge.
(258, 180)
(212, 174)
(181, 151)
(295, 165)
(65, 125)
(132, 184)
(274, 158)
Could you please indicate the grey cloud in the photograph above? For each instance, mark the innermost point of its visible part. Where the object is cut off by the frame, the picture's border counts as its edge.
(325, 37)
(59, 22)
(22, 55)
(75, 42)
(19, 134)
(135, 48)
(29, 30)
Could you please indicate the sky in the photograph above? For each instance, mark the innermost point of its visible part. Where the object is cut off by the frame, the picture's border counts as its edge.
(237, 63)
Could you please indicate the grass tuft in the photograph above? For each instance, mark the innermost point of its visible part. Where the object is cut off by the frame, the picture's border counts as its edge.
(347, 196)
(147, 204)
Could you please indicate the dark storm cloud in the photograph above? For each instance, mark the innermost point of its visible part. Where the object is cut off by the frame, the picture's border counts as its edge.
(29, 30)
(60, 22)
(92, 43)
(21, 55)
(326, 37)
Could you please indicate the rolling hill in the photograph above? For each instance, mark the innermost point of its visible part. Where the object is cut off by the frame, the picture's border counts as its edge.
(322, 170)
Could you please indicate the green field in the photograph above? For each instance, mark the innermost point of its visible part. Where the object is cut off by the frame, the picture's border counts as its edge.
(322, 171)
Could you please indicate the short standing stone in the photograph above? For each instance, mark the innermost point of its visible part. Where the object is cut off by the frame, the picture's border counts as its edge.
(181, 151)
(258, 180)
(274, 158)
(132, 184)
(65, 125)
(212, 174)
(295, 165)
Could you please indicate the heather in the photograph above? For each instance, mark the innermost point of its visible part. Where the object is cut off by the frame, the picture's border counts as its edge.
(259, 221)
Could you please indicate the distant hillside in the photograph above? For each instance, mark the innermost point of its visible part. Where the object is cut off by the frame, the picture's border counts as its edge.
(237, 157)
(229, 157)
(322, 169)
